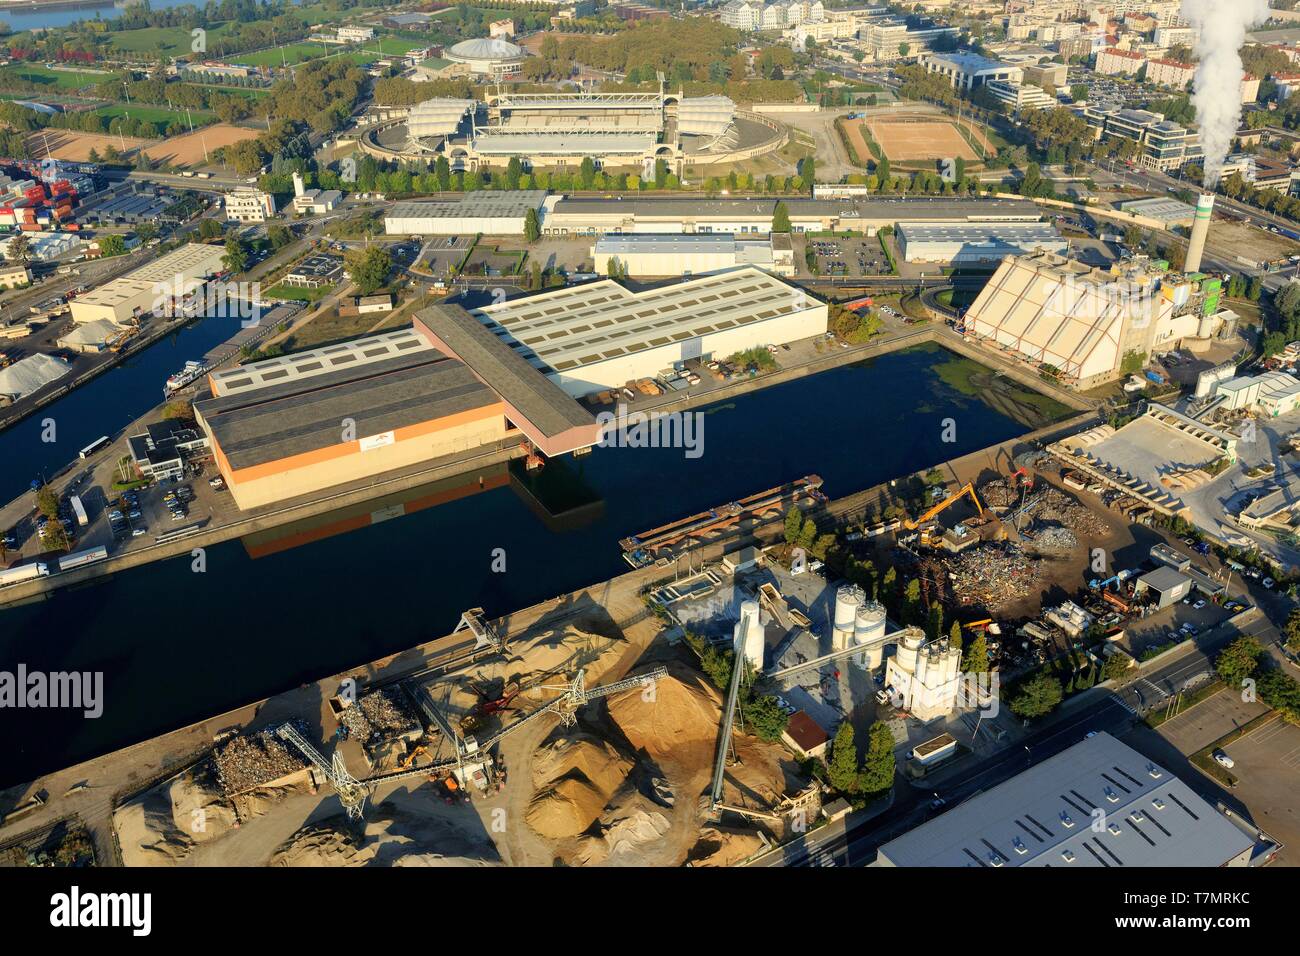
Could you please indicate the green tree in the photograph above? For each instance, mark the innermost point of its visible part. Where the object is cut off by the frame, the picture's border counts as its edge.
(975, 660)
(842, 767)
(278, 235)
(1238, 660)
(954, 636)
(1037, 696)
(793, 525)
(781, 218)
(47, 502)
(235, 257)
(532, 229)
(210, 229)
(878, 766)
(1292, 631)
(369, 268)
(110, 246)
(766, 717)
(882, 172)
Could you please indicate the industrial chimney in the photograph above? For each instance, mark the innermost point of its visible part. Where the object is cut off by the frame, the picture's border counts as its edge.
(1200, 227)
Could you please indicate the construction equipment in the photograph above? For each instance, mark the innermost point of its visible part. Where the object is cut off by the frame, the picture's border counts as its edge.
(487, 706)
(410, 758)
(911, 524)
(1022, 477)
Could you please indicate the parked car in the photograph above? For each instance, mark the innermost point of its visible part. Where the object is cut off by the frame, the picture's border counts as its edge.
(1223, 760)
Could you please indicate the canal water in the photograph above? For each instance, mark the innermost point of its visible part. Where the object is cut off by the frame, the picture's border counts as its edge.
(175, 646)
(27, 19)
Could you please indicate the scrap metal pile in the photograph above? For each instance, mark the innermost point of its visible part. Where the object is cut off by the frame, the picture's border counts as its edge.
(992, 576)
(381, 714)
(1055, 540)
(1060, 508)
(246, 762)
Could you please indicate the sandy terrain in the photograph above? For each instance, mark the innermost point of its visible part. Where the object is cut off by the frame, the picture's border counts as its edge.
(188, 150)
(912, 140)
(74, 146)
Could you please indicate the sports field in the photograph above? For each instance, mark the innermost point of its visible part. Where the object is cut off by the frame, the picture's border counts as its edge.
(288, 54)
(912, 140)
(76, 146)
(189, 150)
(55, 79)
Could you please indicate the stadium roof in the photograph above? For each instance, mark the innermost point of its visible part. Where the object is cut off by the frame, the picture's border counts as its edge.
(1044, 817)
(484, 48)
(562, 143)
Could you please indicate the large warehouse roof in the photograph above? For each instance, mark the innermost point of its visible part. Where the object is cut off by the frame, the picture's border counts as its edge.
(303, 414)
(314, 362)
(555, 422)
(966, 240)
(916, 209)
(568, 328)
(482, 204)
(1044, 816)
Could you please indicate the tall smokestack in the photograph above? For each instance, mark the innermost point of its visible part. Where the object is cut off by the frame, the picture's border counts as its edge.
(1200, 228)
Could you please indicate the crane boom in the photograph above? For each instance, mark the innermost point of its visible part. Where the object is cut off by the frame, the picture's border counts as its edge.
(352, 793)
(911, 524)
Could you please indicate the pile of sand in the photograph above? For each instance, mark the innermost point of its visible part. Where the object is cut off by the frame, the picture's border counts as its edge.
(574, 777)
(675, 722)
(724, 847)
(627, 833)
(163, 825)
(393, 836)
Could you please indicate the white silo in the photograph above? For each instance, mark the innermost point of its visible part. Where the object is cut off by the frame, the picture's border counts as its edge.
(747, 638)
(847, 601)
(869, 627)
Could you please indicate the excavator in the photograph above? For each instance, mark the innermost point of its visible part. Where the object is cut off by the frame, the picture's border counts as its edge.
(489, 705)
(911, 524)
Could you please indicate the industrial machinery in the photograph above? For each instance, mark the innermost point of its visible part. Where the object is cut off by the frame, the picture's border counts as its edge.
(911, 524)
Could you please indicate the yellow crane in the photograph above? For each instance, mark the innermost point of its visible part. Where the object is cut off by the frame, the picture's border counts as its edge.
(911, 524)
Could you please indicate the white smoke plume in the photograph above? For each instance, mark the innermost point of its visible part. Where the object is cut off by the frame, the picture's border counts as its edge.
(1222, 26)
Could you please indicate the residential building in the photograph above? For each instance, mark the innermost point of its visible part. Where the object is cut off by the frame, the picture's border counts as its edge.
(1165, 144)
(1166, 37)
(1112, 61)
(249, 205)
(354, 34)
(1047, 74)
(1249, 88)
(1171, 73)
(742, 15)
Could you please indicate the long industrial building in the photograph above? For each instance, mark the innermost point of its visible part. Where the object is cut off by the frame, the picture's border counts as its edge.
(601, 335)
(180, 272)
(1045, 817)
(643, 255)
(297, 424)
(489, 212)
(1078, 323)
(584, 216)
(976, 243)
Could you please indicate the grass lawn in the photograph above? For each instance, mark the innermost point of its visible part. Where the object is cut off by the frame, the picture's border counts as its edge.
(290, 53)
(155, 114)
(173, 41)
(248, 92)
(294, 292)
(55, 79)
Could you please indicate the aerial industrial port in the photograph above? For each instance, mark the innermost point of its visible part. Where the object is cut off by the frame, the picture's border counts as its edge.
(602, 435)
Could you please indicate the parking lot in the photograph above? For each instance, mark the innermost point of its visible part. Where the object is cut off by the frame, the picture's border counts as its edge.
(1201, 725)
(848, 257)
(1266, 764)
(440, 253)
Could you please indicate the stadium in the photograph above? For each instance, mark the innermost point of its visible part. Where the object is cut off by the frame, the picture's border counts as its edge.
(561, 129)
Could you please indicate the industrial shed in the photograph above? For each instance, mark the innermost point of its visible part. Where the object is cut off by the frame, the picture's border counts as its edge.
(692, 254)
(600, 335)
(968, 243)
(179, 272)
(489, 212)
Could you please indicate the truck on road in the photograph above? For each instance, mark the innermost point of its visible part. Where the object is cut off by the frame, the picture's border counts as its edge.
(23, 572)
(82, 558)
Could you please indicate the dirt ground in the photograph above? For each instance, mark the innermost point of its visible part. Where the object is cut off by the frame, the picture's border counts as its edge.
(188, 150)
(916, 140)
(1239, 239)
(76, 147)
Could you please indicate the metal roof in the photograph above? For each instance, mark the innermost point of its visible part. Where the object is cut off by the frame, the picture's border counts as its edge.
(684, 243)
(1045, 817)
(1164, 579)
(481, 204)
(303, 414)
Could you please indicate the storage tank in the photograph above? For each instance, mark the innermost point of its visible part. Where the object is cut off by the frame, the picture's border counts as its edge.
(847, 601)
(869, 626)
(747, 638)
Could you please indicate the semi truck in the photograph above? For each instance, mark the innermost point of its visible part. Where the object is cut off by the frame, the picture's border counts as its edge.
(23, 572)
(79, 510)
(82, 558)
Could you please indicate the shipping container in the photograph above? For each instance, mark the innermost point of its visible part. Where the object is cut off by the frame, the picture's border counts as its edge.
(82, 558)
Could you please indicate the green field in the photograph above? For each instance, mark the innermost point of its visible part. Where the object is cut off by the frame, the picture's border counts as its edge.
(173, 41)
(155, 114)
(290, 54)
(55, 79)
